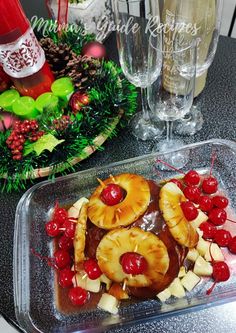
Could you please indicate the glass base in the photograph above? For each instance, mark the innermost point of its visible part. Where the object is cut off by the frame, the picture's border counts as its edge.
(177, 159)
(191, 123)
(145, 129)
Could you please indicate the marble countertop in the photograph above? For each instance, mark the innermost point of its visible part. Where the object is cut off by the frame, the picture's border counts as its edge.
(218, 104)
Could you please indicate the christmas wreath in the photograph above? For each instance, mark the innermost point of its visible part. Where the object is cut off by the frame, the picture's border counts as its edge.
(64, 131)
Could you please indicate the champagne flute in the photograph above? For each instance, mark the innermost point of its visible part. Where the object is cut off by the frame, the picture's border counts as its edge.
(136, 20)
(170, 97)
(206, 16)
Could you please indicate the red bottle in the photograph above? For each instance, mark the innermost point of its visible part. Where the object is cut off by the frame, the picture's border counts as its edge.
(21, 56)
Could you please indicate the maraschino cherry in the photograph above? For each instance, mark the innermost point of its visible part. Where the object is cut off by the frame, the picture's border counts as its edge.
(208, 230)
(205, 203)
(189, 210)
(69, 228)
(220, 271)
(78, 296)
(92, 269)
(218, 216)
(220, 201)
(65, 278)
(192, 178)
(192, 193)
(210, 185)
(133, 263)
(62, 258)
(65, 243)
(112, 195)
(53, 228)
(222, 237)
(60, 215)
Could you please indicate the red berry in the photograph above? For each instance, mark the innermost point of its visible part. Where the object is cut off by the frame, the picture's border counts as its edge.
(177, 182)
(205, 203)
(220, 271)
(220, 201)
(112, 195)
(60, 215)
(65, 243)
(222, 237)
(70, 229)
(218, 216)
(208, 229)
(192, 178)
(62, 258)
(232, 245)
(78, 296)
(92, 269)
(133, 263)
(52, 228)
(65, 278)
(192, 193)
(210, 185)
(189, 210)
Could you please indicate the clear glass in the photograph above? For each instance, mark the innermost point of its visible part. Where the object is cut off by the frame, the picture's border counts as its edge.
(34, 282)
(206, 15)
(137, 59)
(170, 97)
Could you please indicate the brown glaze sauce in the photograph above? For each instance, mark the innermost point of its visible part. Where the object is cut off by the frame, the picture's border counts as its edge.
(151, 221)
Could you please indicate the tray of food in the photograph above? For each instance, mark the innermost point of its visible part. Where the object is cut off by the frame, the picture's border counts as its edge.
(128, 242)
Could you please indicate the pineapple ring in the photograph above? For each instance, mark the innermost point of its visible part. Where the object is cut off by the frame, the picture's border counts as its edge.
(180, 228)
(119, 241)
(126, 212)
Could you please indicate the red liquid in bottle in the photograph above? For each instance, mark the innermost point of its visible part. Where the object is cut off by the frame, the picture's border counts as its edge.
(21, 56)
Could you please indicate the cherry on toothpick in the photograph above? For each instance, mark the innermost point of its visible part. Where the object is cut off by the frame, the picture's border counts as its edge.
(69, 229)
(222, 237)
(112, 195)
(205, 203)
(218, 216)
(60, 215)
(221, 271)
(192, 178)
(78, 296)
(210, 185)
(92, 269)
(52, 228)
(189, 210)
(65, 243)
(133, 263)
(177, 182)
(220, 202)
(62, 258)
(192, 193)
(208, 230)
(65, 278)
(232, 245)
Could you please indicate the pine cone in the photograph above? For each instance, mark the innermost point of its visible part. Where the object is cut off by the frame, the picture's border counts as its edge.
(83, 71)
(57, 56)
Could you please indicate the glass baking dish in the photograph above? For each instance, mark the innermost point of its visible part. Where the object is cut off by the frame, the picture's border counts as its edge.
(34, 281)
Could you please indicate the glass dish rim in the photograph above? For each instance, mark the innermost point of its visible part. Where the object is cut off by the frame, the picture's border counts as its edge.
(23, 317)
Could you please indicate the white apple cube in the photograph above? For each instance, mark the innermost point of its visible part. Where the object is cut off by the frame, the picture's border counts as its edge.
(164, 295)
(202, 217)
(192, 255)
(202, 267)
(202, 246)
(176, 289)
(182, 272)
(104, 279)
(190, 280)
(79, 281)
(78, 204)
(93, 285)
(214, 252)
(73, 212)
(200, 232)
(108, 303)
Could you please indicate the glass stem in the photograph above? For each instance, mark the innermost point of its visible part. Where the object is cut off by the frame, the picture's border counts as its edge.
(169, 131)
(144, 104)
